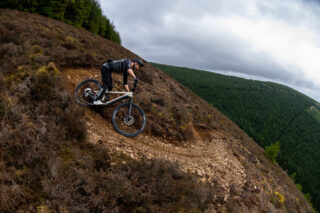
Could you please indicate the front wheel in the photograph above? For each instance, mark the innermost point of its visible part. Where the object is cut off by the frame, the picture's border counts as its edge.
(129, 125)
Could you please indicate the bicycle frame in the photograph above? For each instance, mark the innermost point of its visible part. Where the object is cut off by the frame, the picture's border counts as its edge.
(122, 119)
(124, 96)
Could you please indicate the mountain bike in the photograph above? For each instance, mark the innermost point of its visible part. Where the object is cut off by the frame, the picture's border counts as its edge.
(128, 119)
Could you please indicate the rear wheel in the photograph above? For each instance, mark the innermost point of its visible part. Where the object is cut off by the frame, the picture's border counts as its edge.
(86, 92)
(128, 125)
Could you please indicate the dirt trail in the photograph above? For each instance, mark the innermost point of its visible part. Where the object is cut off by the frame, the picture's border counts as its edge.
(211, 161)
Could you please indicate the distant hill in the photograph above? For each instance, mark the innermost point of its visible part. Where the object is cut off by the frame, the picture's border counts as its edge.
(56, 156)
(268, 112)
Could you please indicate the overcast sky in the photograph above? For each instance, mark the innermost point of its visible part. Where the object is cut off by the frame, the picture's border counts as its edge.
(271, 40)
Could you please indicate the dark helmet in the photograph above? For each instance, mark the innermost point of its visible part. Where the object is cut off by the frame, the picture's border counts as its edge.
(139, 61)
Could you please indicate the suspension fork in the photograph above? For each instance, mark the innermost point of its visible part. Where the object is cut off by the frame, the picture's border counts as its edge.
(130, 106)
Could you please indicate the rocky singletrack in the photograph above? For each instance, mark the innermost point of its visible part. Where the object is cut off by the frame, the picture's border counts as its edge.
(211, 161)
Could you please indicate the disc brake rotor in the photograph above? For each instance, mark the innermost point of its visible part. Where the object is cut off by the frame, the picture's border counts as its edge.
(87, 92)
(128, 120)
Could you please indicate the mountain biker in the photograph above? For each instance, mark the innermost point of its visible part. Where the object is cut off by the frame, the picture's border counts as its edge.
(125, 66)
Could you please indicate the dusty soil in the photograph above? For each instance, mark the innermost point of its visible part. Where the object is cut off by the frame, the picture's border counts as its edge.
(209, 160)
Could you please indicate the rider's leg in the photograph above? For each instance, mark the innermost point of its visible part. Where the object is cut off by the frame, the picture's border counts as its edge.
(106, 82)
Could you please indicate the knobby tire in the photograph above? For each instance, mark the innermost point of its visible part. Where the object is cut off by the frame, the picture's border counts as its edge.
(93, 84)
(125, 128)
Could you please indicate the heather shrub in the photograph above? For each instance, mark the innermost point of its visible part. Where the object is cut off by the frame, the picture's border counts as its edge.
(277, 199)
(145, 185)
(37, 117)
(5, 35)
(9, 32)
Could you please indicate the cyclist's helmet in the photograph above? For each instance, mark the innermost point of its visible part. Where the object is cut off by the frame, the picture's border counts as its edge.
(139, 61)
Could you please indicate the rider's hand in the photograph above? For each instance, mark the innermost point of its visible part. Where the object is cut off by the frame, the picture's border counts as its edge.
(136, 80)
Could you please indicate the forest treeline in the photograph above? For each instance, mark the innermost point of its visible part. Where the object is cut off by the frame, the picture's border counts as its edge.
(86, 14)
(267, 112)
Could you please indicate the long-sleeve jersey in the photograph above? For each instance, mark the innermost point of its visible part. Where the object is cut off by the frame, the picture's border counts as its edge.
(120, 66)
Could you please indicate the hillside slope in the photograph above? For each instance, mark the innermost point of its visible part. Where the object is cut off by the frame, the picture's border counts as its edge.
(57, 156)
(268, 112)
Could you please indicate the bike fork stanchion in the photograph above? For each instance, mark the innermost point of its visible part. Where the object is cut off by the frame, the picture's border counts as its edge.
(130, 107)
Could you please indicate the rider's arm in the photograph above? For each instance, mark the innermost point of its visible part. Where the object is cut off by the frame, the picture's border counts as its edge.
(131, 73)
(126, 87)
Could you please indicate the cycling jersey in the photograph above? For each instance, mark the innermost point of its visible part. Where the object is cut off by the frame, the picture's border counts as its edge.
(119, 66)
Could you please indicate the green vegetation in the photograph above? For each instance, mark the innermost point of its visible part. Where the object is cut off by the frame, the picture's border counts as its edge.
(85, 14)
(307, 195)
(267, 112)
(273, 151)
(314, 112)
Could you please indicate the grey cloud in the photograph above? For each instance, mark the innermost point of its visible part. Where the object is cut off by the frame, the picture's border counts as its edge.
(306, 84)
(217, 52)
(144, 28)
(126, 14)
